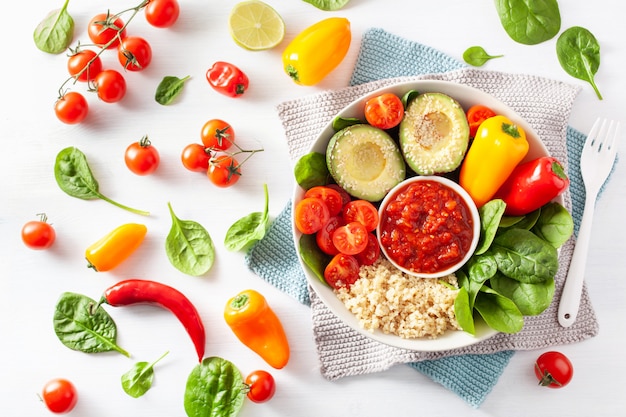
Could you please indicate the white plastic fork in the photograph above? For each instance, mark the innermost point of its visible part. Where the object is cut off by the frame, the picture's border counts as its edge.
(596, 161)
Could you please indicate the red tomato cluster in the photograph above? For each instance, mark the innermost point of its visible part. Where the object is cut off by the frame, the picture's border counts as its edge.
(108, 32)
(343, 228)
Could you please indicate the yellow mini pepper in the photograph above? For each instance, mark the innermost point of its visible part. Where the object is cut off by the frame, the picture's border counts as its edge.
(113, 248)
(498, 147)
(256, 325)
(317, 50)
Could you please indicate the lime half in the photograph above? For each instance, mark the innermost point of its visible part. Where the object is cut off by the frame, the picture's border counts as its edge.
(255, 25)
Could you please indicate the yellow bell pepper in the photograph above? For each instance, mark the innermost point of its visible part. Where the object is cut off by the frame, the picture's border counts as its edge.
(499, 146)
(317, 50)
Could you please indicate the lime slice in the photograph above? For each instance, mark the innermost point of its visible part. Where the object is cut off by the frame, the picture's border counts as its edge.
(255, 25)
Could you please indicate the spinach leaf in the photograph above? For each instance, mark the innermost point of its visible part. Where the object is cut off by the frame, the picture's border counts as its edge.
(169, 88)
(55, 32)
(340, 123)
(74, 177)
(527, 222)
(464, 311)
(477, 56)
(529, 22)
(138, 380)
(490, 215)
(509, 221)
(313, 257)
(523, 256)
(328, 5)
(214, 388)
(555, 224)
(482, 267)
(249, 229)
(531, 299)
(499, 312)
(578, 52)
(311, 170)
(189, 246)
(81, 324)
(408, 97)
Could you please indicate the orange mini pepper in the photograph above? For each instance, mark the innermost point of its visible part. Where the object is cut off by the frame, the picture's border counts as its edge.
(113, 248)
(256, 325)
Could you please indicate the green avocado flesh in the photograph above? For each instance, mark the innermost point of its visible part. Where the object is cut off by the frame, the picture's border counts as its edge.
(434, 134)
(365, 161)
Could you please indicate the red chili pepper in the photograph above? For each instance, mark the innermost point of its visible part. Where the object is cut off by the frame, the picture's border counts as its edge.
(137, 291)
(532, 185)
(476, 115)
(227, 79)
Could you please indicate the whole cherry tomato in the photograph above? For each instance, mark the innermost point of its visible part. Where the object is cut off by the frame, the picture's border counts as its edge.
(71, 108)
(195, 157)
(384, 111)
(59, 395)
(224, 171)
(227, 79)
(134, 53)
(341, 271)
(553, 369)
(310, 215)
(86, 61)
(38, 234)
(261, 386)
(110, 86)
(217, 135)
(141, 157)
(104, 28)
(162, 13)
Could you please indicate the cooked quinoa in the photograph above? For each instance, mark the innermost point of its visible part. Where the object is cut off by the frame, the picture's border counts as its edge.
(385, 298)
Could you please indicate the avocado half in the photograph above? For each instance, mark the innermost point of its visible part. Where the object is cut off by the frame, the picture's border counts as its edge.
(365, 161)
(434, 134)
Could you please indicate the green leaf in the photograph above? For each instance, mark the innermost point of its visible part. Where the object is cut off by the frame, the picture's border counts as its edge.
(340, 123)
(82, 324)
(313, 257)
(249, 229)
(55, 32)
(189, 246)
(490, 216)
(464, 312)
(555, 224)
(169, 88)
(531, 299)
(477, 56)
(311, 170)
(579, 55)
(215, 388)
(328, 5)
(138, 380)
(529, 22)
(499, 312)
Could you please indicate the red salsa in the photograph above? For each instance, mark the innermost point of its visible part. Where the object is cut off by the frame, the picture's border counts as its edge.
(426, 227)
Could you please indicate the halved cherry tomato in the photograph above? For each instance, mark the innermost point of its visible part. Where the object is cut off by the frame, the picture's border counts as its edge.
(104, 27)
(195, 157)
(217, 135)
(72, 108)
(38, 234)
(371, 253)
(162, 13)
(553, 369)
(85, 59)
(141, 157)
(477, 114)
(311, 214)
(134, 53)
(341, 271)
(350, 238)
(224, 171)
(324, 236)
(59, 395)
(384, 111)
(110, 86)
(361, 211)
(330, 197)
(261, 386)
(345, 197)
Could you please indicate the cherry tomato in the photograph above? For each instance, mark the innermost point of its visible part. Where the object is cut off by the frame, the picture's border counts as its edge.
(59, 395)
(217, 135)
(553, 369)
(341, 271)
(38, 234)
(371, 253)
(350, 238)
(141, 157)
(384, 111)
(361, 211)
(476, 115)
(310, 215)
(324, 236)
(72, 108)
(162, 13)
(195, 157)
(224, 171)
(329, 196)
(227, 79)
(104, 28)
(345, 197)
(261, 385)
(81, 60)
(134, 53)
(110, 86)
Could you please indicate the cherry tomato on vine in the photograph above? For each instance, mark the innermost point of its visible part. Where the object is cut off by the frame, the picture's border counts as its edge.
(59, 395)
(195, 157)
(218, 135)
(311, 214)
(261, 386)
(38, 234)
(553, 369)
(141, 157)
(71, 108)
(224, 171)
(103, 28)
(350, 238)
(81, 60)
(110, 86)
(134, 53)
(162, 13)
(384, 111)
(341, 271)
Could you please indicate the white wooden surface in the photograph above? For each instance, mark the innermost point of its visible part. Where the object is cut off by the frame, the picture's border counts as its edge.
(30, 282)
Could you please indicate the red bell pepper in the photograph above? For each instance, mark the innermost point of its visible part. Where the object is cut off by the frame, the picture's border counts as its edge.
(227, 79)
(532, 185)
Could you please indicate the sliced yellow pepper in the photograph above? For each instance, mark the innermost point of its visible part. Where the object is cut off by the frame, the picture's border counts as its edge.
(499, 146)
(317, 50)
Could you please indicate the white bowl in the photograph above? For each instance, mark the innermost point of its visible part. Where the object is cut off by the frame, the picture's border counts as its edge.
(466, 96)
